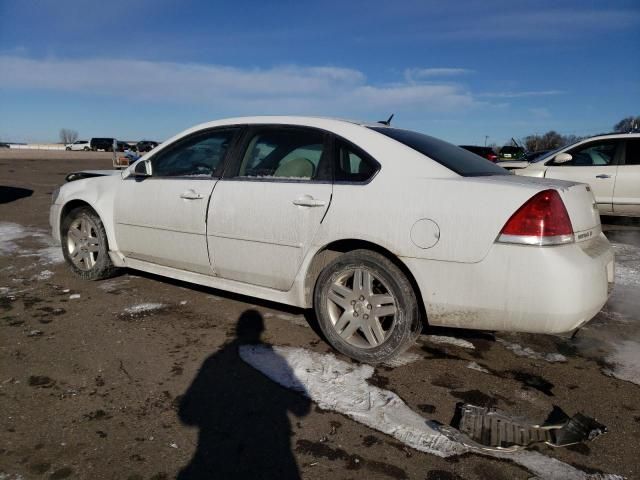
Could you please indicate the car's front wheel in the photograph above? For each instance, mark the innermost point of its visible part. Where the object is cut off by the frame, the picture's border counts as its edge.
(84, 245)
(366, 307)
(86, 149)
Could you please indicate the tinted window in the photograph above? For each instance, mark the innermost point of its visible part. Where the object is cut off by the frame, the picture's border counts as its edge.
(285, 154)
(197, 156)
(454, 158)
(632, 156)
(591, 154)
(353, 165)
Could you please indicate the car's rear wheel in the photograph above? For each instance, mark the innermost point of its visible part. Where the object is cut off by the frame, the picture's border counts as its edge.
(68, 149)
(84, 245)
(86, 149)
(366, 307)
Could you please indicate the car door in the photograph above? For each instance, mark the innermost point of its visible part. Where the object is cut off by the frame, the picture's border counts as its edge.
(626, 194)
(267, 209)
(162, 218)
(594, 163)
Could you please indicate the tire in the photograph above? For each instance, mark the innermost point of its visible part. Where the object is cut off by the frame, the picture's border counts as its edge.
(86, 149)
(346, 307)
(68, 149)
(85, 246)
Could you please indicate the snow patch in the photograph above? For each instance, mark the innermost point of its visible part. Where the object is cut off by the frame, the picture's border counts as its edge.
(43, 275)
(477, 368)
(626, 361)
(10, 233)
(74, 296)
(402, 359)
(342, 387)
(521, 351)
(143, 308)
(443, 340)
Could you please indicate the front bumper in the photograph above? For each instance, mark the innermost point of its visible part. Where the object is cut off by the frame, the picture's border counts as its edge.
(519, 288)
(54, 222)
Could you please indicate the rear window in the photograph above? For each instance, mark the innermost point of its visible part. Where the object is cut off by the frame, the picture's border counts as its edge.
(457, 159)
(510, 149)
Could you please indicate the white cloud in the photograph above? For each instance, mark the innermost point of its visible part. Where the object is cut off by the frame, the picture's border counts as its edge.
(413, 74)
(290, 89)
(539, 93)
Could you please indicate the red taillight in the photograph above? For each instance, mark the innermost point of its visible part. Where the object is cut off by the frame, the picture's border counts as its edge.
(492, 156)
(542, 220)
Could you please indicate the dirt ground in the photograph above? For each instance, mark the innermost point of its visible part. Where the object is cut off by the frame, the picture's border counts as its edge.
(139, 377)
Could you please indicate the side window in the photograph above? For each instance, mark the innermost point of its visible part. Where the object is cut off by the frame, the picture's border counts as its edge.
(632, 156)
(195, 156)
(353, 165)
(593, 154)
(294, 154)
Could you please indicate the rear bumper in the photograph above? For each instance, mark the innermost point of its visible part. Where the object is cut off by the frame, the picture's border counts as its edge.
(519, 288)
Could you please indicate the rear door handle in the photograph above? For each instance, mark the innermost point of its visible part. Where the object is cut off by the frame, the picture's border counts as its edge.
(309, 201)
(603, 175)
(191, 195)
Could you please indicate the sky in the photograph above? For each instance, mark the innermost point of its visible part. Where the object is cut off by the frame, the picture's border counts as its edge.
(468, 72)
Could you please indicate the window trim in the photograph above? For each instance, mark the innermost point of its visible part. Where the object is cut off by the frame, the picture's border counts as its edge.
(233, 168)
(335, 150)
(219, 170)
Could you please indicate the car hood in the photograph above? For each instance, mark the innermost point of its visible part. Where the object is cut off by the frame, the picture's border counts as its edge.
(90, 173)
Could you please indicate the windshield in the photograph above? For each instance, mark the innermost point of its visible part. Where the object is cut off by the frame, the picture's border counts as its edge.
(459, 160)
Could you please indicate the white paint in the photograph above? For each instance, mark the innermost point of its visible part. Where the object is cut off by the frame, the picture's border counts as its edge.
(143, 308)
(626, 361)
(444, 340)
(342, 387)
(521, 351)
(476, 367)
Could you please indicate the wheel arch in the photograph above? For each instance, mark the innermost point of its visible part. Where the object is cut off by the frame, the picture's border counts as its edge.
(332, 250)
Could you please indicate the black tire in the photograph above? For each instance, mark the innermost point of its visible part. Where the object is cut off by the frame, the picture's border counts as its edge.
(68, 149)
(102, 266)
(86, 149)
(406, 323)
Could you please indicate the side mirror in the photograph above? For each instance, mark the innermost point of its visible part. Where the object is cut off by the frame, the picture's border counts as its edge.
(562, 158)
(142, 169)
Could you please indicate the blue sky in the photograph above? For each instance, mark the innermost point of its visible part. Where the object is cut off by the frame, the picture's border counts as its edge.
(457, 70)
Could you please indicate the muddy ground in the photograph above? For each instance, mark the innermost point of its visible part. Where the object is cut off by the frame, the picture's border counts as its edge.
(138, 377)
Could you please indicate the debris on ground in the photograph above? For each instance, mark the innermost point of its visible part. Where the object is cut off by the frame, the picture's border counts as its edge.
(493, 429)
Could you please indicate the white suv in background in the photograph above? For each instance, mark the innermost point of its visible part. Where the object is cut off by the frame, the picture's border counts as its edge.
(79, 145)
(609, 163)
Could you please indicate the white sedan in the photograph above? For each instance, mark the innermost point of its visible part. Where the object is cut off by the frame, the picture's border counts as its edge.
(378, 229)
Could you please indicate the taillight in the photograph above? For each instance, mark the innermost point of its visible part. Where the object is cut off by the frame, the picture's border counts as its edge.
(492, 156)
(542, 220)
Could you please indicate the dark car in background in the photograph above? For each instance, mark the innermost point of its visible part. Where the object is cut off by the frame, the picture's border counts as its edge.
(146, 145)
(122, 146)
(509, 152)
(4, 145)
(484, 152)
(105, 144)
(531, 156)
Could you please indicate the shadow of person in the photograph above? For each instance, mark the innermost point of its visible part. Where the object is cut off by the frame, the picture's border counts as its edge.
(243, 416)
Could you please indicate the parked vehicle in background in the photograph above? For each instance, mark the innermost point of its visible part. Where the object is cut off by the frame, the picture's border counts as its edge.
(512, 153)
(146, 145)
(484, 152)
(610, 164)
(105, 144)
(289, 209)
(82, 145)
(122, 146)
(4, 145)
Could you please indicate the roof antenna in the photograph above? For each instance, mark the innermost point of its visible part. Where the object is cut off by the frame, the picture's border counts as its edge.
(387, 122)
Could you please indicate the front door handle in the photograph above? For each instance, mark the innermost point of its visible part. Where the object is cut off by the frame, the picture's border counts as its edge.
(603, 175)
(191, 195)
(309, 201)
